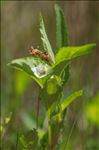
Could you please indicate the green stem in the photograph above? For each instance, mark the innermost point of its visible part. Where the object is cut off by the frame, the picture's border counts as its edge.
(49, 136)
(17, 140)
(37, 118)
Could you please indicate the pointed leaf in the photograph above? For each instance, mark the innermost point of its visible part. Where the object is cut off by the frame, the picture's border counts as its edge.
(46, 43)
(59, 67)
(61, 28)
(70, 99)
(26, 64)
(69, 53)
(66, 103)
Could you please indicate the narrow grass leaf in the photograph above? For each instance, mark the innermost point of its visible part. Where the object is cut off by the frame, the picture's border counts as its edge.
(61, 28)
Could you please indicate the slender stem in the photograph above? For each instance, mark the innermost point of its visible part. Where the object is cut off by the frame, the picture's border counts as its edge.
(49, 135)
(17, 140)
(37, 118)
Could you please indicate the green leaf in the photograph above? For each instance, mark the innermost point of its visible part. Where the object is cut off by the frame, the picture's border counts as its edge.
(66, 103)
(44, 38)
(69, 53)
(29, 140)
(61, 28)
(62, 70)
(62, 39)
(54, 108)
(25, 64)
(59, 67)
(70, 99)
(51, 91)
(44, 141)
(65, 74)
(23, 142)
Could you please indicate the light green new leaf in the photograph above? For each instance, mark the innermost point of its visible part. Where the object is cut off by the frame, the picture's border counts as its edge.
(26, 64)
(61, 28)
(69, 53)
(70, 99)
(66, 103)
(44, 38)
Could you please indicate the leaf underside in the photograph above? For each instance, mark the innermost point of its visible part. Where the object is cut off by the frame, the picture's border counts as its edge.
(25, 64)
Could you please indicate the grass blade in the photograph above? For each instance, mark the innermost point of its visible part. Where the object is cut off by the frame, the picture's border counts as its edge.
(61, 28)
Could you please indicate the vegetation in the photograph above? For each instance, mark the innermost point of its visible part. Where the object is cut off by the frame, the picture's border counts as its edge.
(51, 77)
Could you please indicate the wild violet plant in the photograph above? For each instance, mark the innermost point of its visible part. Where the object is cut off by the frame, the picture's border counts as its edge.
(51, 77)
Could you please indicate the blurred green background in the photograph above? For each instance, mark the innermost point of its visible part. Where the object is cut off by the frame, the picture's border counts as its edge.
(19, 94)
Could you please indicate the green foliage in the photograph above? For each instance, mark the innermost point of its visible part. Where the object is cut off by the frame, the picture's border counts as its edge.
(62, 39)
(51, 91)
(67, 102)
(69, 53)
(52, 84)
(70, 99)
(26, 64)
(65, 74)
(45, 41)
(59, 67)
(61, 28)
(5, 120)
(29, 140)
